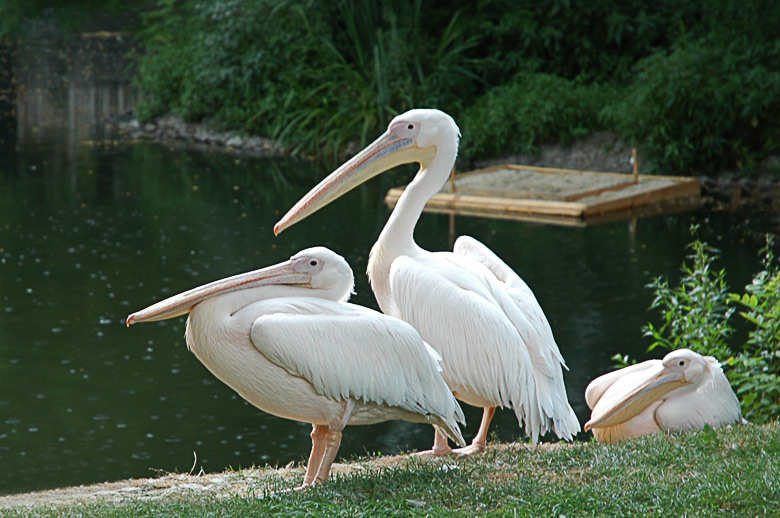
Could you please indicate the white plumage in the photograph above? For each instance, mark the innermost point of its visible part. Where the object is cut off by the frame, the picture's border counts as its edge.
(284, 338)
(684, 391)
(497, 347)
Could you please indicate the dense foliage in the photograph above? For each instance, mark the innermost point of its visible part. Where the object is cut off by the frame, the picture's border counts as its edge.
(697, 314)
(694, 85)
(532, 108)
(315, 74)
(706, 104)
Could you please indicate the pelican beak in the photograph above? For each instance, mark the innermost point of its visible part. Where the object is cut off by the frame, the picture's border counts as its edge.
(386, 152)
(282, 273)
(621, 409)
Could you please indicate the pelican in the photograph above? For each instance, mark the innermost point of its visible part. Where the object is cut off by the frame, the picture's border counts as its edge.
(497, 347)
(684, 391)
(285, 339)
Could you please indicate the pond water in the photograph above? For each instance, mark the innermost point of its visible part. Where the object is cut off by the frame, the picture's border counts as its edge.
(93, 228)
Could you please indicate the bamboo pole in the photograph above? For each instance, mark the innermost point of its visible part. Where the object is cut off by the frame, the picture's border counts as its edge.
(452, 179)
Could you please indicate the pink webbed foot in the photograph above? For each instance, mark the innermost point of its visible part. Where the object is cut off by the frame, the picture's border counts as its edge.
(471, 449)
(433, 452)
(440, 446)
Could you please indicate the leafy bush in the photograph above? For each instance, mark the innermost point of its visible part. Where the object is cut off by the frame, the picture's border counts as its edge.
(533, 109)
(163, 67)
(588, 40)
(697, 314)
(384, 60)
(704, 105)
(315, 74)
(698, 81)
(756, 371)
(223, 60)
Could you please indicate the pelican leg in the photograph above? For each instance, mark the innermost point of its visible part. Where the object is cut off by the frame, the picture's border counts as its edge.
(318, 433)
(332, 443)
(480, 440)
(440, 445)
(330, 437)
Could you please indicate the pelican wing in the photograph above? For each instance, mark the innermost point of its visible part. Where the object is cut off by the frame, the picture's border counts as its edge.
(461, 311)
(520, 306)
(467, 246)
(350, 352)
(538, 333)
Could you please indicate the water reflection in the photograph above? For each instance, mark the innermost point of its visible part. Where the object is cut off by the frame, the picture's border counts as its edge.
(90, 233)
(71, 84)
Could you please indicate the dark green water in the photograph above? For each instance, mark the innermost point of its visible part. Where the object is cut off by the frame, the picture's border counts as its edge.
(91, 232)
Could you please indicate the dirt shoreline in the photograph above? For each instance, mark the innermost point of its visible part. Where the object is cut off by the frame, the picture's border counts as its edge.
(248, 482)
(171, 485)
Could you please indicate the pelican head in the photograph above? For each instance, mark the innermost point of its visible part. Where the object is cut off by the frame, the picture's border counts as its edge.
(415, 136)
(319, 271)
(681, 371)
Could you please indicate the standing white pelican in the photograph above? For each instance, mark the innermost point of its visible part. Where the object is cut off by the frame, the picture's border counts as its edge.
(496, 344)
(284, 338)
(684, 391)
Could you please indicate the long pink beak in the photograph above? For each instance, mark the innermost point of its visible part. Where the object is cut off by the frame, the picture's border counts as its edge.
(282, 273)
(386, 152)
(627, 406)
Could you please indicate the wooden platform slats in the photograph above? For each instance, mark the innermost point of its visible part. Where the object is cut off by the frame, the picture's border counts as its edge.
(559, 196)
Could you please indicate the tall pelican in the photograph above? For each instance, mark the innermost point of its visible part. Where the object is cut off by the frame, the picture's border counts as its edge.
(495, 341)
(684, 391)
(284, 338)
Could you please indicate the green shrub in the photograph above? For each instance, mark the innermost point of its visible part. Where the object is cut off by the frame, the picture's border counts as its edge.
(533, 109)
(697, 314)
(316, 74)
(383, 62)
(698, 82)
(164, 65)
(71, 16)
(588, 40)
(704, 106)
(219, 60)
(756, 371)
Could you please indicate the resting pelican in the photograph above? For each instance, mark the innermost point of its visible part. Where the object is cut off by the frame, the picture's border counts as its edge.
(284, 338)
(496, 344)
(684, 391)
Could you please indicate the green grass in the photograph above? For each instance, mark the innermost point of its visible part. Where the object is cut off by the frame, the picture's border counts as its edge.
(726, 472)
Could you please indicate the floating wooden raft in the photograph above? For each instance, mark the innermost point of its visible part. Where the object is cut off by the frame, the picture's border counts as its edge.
(561, 196)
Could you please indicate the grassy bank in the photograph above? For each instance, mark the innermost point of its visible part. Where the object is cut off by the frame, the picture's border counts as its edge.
(726, 472)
